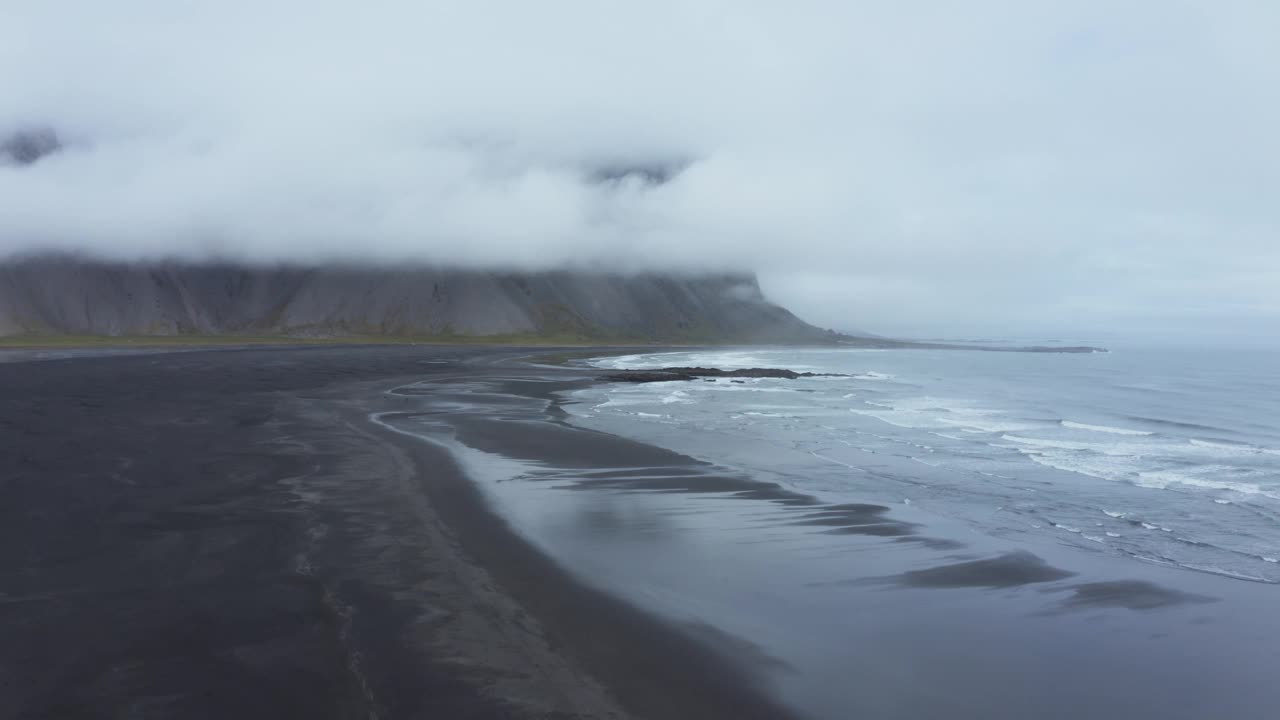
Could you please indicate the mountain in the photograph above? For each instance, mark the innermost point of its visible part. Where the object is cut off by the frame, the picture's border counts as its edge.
(75, 296)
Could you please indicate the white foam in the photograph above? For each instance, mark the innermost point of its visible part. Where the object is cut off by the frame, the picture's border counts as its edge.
(963, 411)
(1054, 444)
(628, 361)
(1103, 428)
(909, 420)
(1162, 479)
(985, 426)
(1098, 466)
(1146, 464)
(940, 413)
(728, 386)
(1108, 513)
(679, 396)
(618, 402)
(1228, 449)
(1223, 571)
(1191, 450)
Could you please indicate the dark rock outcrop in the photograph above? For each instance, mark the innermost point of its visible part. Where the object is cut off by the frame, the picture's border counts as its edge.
(691, 373)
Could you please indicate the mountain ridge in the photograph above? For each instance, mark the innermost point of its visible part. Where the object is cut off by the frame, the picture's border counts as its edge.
(66, 295)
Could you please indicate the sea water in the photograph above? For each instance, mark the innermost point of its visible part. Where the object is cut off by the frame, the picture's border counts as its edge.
(1164, 456)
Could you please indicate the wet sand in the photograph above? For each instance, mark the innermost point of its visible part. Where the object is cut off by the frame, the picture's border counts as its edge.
(225, 534)
(402, 532)
(841, 608)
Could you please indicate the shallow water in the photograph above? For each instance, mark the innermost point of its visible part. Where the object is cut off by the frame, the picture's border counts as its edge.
(841, 605)
(1169, 456)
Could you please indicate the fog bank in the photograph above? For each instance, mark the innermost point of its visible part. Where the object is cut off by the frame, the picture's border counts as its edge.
(920, 168)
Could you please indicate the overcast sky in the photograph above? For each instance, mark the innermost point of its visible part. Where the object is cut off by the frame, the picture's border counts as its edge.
(923, 167)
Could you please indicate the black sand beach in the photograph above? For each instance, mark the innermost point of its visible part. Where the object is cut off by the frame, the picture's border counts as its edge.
(223, 534)
(336, 532)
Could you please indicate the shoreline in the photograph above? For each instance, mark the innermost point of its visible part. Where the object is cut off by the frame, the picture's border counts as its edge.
(386, 532)
(654, 670)
(840, 603)
(234, 537)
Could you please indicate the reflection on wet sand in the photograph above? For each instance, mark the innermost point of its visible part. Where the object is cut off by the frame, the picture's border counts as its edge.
(510, 417)
(1004, 571)
(1129, 594)
(845, 607)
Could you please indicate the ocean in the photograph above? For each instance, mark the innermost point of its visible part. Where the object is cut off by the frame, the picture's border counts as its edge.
(937, 533)
(1163, 456)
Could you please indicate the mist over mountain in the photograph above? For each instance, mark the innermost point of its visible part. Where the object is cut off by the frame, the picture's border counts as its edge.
(938, 169)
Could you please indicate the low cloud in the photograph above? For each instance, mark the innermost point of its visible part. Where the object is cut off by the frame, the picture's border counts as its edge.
(929, 167)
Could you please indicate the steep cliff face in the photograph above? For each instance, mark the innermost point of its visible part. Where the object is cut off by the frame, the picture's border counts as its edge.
(82, 297)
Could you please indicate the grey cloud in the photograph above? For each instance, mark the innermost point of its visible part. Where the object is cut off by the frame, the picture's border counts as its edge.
(929, 167)
(29, 145)
(647, 172)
